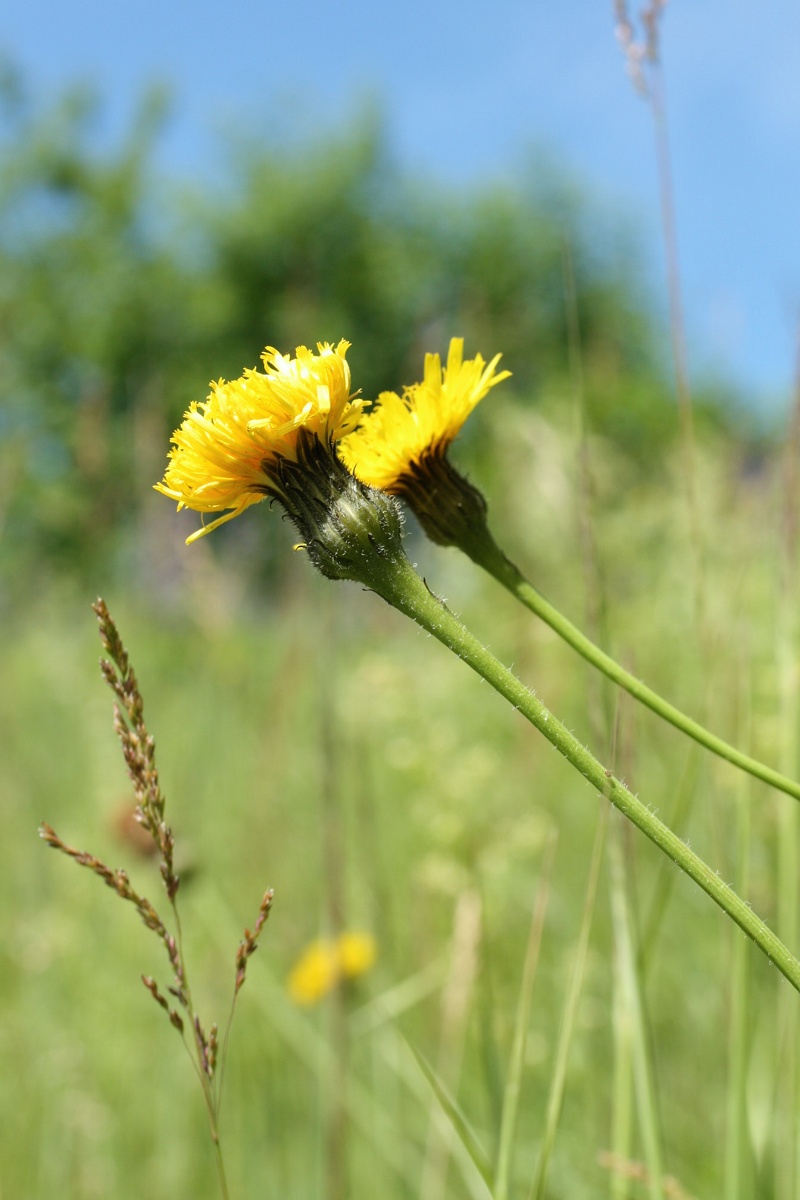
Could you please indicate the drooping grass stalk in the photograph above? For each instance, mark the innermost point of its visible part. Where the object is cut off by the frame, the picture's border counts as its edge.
(558, 1078)
(400, 586)
(485, 553)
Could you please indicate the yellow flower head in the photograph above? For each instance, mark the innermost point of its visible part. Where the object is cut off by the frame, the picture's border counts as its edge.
(328, 961)
(399, 434)
(357, 953)
(227, 453)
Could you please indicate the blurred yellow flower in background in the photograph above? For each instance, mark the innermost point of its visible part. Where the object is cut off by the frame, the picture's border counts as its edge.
(326, 962)
(399, 433)
(226, 451)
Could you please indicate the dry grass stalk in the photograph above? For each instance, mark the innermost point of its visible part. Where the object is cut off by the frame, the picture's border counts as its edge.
(643, 49)
(249, 943)
(638, 1173)
(138, 748)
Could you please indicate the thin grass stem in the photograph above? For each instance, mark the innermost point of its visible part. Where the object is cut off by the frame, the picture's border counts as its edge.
(559, 1077)
(787, 1123)
(736, 1131)
(622, 1111)
(640, 1053)
(511, 1095)
(677, 328)
(665, 880)
(604, 712)
(465, 1138)
(336, 1130)
(455, 1005)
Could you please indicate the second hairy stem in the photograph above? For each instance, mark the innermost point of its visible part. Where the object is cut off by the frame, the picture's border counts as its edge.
(486, 554)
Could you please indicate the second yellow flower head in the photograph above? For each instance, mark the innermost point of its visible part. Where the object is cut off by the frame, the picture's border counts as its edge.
(401, 432)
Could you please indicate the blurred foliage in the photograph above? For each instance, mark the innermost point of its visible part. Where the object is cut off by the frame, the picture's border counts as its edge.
(122, 294)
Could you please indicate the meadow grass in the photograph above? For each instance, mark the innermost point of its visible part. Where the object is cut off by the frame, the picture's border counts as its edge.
(319, 744)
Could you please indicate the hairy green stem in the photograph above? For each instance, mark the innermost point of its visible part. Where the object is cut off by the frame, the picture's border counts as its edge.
(485, 553)
(399, 584)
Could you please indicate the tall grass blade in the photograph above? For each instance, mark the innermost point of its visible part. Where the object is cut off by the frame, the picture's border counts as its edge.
(510, 1110)
(622, 1110)
(603, 700)
(558, 1081)
(335, 1078)
(455, 1116)
(455, 1007)
(489, 1042)
(389, 1005)
(737, 1133)
(787, 1122)
(628, 978)
(667, 877)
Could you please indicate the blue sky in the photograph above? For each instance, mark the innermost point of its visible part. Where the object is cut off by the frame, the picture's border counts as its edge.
(468, 88)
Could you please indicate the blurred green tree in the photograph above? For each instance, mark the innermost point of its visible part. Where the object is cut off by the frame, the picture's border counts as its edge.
(120, 296)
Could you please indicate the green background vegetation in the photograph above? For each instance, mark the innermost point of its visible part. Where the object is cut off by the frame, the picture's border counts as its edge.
(312, 740)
